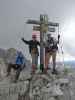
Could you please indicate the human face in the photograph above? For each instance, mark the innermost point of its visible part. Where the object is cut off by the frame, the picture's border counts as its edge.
(34, 38)
(49, 36)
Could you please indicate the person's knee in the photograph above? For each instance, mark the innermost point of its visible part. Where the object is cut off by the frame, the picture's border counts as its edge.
(47, 56)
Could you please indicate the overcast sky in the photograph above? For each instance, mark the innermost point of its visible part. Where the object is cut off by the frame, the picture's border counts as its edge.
(14, 13)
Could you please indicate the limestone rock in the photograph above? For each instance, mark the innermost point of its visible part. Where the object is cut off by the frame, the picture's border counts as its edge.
(56, 91)
(25, 75)
(3, 68)
(12, 90)
(64, 81)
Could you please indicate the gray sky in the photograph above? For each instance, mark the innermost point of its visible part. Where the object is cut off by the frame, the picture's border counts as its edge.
(12, 26)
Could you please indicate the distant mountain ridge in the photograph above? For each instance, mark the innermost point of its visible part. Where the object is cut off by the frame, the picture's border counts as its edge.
(69, 63)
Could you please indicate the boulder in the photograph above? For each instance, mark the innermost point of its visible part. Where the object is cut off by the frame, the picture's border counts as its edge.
(3, 69)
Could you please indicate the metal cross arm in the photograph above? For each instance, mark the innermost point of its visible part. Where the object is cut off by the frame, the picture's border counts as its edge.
(38, 23)
(53, 24)
(33, 22)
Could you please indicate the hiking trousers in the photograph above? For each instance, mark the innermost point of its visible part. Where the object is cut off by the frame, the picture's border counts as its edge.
(34, 60)
(48, 55)
(15, 67)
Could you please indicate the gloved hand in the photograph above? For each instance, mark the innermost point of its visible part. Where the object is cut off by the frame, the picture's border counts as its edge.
(22, 39)
(58, 36)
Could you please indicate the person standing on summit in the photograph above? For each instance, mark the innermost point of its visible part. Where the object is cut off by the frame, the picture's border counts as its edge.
(51, 47)
(33, 50)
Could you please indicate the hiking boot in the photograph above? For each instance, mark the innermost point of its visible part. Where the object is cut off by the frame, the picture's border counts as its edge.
(48, 68)
(54, 72)
(7, 74)
(32, 72)
(45, 71)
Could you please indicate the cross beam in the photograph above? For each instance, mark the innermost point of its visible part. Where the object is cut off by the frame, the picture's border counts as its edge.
(37, 22)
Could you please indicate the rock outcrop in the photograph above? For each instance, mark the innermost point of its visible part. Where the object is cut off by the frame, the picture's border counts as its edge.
(37, 86)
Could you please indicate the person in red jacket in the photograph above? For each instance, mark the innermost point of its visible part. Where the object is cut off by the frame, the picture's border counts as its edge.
(33, 49)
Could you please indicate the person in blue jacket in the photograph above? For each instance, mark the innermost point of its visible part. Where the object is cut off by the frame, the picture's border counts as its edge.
(18, 65)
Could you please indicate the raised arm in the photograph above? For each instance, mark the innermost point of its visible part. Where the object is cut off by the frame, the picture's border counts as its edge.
(25, 41)
(56, 41)
(58, 38)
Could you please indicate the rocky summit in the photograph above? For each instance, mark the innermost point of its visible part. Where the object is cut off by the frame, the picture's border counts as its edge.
(37, 86)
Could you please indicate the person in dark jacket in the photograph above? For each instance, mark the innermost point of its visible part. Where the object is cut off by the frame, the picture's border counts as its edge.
(51, 48)
(33, 50)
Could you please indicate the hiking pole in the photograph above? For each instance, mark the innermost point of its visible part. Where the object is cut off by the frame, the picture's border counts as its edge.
(61, 49)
